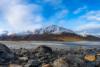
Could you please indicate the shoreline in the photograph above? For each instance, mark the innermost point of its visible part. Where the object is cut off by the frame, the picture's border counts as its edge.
(59, 45)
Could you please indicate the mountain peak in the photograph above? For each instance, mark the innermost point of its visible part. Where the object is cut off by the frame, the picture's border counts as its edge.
(53, 29)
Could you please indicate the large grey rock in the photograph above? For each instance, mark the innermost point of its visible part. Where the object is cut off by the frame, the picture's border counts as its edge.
(44, 54)
(43, 49)
(6, 55)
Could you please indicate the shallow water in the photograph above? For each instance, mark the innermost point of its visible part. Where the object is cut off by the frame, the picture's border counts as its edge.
(53, 44)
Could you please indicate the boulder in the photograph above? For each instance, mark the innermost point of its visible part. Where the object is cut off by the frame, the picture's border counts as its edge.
(6, 55)
(44, 53)
(43, 49)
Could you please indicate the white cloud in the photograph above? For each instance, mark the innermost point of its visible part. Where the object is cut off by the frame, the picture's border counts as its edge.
(89, 26)
(60, 14)
(80, 10)
(93, 16)
(90, 29)
(20, 16)
(1, 30)
(90, 22)
(56, 4)
(51, 2)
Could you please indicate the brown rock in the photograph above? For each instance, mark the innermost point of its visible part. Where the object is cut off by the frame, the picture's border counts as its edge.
(46, 65)
(60, 63)
(90, 57)
(15, 65)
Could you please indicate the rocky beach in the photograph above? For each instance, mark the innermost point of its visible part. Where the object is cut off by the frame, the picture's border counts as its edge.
(46, 56)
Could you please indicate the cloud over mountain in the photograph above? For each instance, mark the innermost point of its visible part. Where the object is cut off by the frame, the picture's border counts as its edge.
(20, 15)
(91, 22)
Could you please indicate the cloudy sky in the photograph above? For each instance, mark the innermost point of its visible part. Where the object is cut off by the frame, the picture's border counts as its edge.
(77, 15)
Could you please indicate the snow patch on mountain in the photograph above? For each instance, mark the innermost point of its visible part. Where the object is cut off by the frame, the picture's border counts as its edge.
(53, 29)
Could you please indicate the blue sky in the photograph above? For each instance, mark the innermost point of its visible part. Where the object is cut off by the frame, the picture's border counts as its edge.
(77, 15)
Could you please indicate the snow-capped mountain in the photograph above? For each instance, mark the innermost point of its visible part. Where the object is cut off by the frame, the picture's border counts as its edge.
(84, 34)
(53, 29)
(63, 34)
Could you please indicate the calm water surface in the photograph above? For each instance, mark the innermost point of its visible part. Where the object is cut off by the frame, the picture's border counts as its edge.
(53, 44)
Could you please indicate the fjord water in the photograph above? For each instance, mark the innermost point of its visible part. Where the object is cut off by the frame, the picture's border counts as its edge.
(53, 44)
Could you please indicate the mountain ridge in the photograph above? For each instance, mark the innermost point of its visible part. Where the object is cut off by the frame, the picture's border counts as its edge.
(49, 33)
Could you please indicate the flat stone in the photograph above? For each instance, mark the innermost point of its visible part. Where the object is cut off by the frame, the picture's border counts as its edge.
(23, 58)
